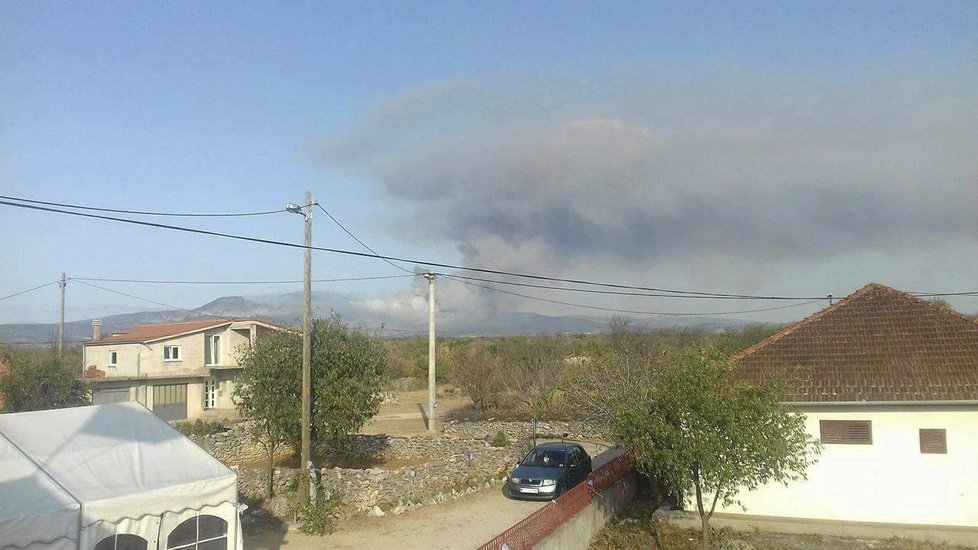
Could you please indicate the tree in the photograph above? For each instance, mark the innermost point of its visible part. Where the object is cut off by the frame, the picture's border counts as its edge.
(269, 392)
(348, 369)
(698, 427)
(347, 376)
(40, 382)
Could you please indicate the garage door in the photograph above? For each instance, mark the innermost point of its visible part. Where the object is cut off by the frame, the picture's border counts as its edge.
(101, 397)
(170, 401)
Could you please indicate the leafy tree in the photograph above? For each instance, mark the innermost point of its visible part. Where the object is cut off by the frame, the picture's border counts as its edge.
(38, 382)
(348, 369)
(269, 392)
(698, 427)
(347, 376)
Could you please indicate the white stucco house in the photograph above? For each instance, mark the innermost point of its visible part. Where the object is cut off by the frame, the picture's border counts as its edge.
(178, 370)
(890, 388)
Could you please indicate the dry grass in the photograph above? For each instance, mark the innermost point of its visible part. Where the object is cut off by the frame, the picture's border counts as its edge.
(637, 530)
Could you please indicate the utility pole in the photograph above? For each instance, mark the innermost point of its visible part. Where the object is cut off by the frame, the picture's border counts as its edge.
(305, 452)
(431, 351)
(61, 326)
(307, 354)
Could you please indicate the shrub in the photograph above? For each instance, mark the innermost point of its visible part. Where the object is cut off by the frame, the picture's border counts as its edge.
(319, 516)
(500, 440)
(199, 427)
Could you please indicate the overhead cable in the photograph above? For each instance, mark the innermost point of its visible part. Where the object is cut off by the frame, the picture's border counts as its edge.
(357, 239)
(144, 299)
(148, 213)
(628, 311)
(29, 290)
(392, 258)
(188, 282)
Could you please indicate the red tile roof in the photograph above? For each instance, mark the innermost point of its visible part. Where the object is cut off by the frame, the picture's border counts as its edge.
(878, 344)
(147, 333)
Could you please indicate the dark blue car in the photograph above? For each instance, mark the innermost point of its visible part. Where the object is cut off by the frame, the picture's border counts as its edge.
(548, 471)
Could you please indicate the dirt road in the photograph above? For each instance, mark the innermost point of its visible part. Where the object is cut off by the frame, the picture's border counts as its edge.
(409, 415)
(460, 524)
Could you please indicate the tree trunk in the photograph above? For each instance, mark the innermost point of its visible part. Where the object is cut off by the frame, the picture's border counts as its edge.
(705, 532)
(271, 471)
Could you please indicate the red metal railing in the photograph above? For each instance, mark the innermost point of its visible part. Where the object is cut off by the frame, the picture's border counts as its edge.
(540, 524)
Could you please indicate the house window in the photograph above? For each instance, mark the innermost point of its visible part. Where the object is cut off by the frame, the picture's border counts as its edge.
(113, 358)
(847, 432)
(171, 353)
(210, 393)
(199, 533)
(212, 350)
(933, 441)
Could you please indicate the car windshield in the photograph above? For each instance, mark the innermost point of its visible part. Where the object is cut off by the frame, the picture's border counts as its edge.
(544, 457)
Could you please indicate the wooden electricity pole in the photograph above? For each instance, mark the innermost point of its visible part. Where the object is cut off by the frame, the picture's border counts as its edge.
(431, 351)
(61, 326)
(307, 357)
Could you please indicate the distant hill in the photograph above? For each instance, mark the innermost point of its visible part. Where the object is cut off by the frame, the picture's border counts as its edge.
(287, 309)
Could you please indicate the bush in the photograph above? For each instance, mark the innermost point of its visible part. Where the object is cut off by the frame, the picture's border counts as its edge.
(319, 516)
(500, 440)
(199, 427)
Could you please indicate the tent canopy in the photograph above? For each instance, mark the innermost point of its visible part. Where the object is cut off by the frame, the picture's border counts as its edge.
(67, 471)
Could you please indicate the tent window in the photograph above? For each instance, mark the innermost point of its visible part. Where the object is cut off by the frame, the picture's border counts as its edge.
(199, 533)
(122, 542)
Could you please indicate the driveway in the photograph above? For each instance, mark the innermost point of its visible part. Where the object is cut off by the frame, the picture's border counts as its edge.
(464, 523)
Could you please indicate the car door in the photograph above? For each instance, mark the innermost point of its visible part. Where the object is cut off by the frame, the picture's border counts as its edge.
(576, 466)
(584, 463)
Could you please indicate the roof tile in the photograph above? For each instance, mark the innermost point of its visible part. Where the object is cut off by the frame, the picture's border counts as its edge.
(878, 344)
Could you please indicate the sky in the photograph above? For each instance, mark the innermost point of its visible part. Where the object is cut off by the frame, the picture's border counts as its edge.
(786, 148)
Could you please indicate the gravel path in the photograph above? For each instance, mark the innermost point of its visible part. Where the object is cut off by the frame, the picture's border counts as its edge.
(464, 523)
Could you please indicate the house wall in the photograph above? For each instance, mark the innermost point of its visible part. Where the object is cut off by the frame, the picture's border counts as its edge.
(889, 481)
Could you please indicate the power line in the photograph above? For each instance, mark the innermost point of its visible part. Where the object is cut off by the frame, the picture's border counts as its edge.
(187, 282)
(143, 299)
(630, 311)
(29, 290)
(385, 257)
(148, 213)
(374, 255)
(623, 293)
(357, 239)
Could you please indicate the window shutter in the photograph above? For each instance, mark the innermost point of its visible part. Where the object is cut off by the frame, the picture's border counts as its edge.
(933, 441)
(853, 432)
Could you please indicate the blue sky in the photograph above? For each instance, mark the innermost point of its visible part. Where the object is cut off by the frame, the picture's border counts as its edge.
(238, 107)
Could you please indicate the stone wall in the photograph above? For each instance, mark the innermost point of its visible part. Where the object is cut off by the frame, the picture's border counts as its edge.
(233, 446)
(518, 431)
(418, 447)
(466, 469)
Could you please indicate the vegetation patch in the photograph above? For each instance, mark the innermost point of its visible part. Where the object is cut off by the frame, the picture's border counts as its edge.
(637, 529)
(200, 427)
(500, 440)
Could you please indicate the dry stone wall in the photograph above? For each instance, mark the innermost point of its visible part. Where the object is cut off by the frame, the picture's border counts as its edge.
(517, 431)
(374, 490)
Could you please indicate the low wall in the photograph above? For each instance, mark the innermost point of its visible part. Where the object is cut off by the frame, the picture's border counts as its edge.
(398, 490)
(234, 448)
(517, 431)
(939, 534)
(578, 531)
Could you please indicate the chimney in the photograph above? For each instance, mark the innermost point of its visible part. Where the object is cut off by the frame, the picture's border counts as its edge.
(96, 330)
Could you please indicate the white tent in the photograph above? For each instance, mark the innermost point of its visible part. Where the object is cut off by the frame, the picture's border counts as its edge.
(111, 477)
